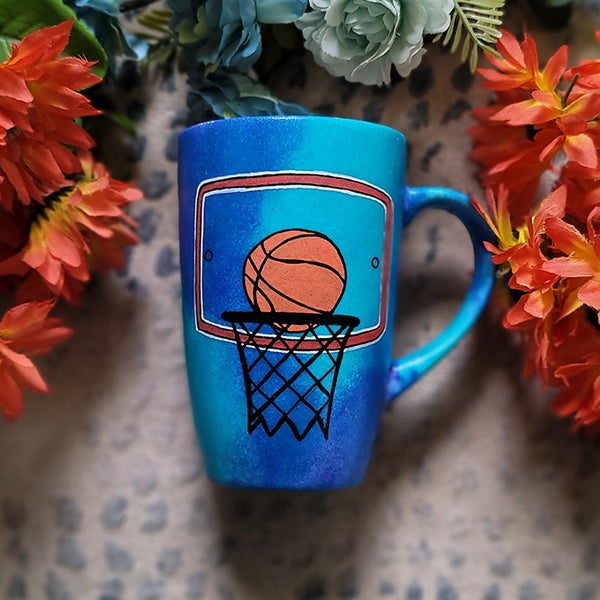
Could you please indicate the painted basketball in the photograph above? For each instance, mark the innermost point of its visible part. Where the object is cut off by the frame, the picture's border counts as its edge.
(295, 270)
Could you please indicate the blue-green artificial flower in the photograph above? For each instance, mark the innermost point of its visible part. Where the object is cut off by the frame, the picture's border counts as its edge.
(227, 32)
(102, 18)
(232, 94)
(362, 39)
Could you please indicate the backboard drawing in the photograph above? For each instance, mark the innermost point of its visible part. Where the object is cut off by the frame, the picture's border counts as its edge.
(233, 215)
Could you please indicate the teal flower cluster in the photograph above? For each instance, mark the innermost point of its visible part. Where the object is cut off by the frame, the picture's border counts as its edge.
(227, 32)
(102, 18)
(231, 94)
(221, 40)
(362, 39)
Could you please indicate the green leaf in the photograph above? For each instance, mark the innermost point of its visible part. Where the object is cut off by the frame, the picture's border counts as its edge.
(479, 21)
(185, 32)
(5, 49)
(122, 121)
(18, 18)
(162, 51)
(202, 29)
(156, 19)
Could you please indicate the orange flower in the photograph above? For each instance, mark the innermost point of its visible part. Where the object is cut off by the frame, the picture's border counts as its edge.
(583, 187)
(25, 330)
(578, 371)
(546, 123)
(82, 227)
(544, 341)
(520, 248)
(581, 260)
(564, 125)
(523, 252)
(587, 72)
(581, 394)
(38, 104)
(496, 141)
(517, 66)
(519, 137)
(497, 216)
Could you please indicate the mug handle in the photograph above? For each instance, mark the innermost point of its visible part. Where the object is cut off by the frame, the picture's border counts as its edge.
(406, 370)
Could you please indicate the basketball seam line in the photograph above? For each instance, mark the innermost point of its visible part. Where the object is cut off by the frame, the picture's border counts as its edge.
(305, 233)
(259, 274)
(262, 293)
(297, 261)
(255, 290)
(292, 300)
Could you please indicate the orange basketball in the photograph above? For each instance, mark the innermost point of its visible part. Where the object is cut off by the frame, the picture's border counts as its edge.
(295, 271)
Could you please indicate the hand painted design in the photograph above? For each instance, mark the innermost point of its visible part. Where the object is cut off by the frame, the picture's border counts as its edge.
(293, 280)
(233, 213)
(295, 270)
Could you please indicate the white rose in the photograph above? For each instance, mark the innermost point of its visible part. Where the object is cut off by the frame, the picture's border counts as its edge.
(361, 39)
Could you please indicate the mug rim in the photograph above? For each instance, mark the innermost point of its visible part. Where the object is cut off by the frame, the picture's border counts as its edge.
(356, 123)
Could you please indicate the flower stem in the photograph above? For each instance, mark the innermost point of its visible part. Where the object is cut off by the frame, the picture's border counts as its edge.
(569, 89)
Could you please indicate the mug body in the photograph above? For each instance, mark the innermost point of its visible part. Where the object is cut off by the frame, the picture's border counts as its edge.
(289, 236)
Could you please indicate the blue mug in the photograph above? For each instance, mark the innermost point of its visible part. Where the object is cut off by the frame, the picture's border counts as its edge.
(290, 233)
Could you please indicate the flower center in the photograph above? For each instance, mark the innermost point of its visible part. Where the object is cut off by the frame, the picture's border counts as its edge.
(367, 22)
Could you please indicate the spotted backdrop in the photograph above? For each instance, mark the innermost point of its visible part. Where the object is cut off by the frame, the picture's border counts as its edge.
(474, 492)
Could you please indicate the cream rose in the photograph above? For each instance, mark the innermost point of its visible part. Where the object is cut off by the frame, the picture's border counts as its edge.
(362, 39)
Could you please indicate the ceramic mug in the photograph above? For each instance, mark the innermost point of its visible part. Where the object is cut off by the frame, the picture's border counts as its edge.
(290, 234)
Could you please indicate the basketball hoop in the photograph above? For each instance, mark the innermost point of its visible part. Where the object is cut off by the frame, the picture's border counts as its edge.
(287, 385)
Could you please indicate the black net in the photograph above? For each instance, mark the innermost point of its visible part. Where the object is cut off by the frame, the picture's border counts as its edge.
(290, 363)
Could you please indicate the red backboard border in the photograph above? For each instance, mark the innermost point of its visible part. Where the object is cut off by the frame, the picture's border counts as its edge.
(295, 179)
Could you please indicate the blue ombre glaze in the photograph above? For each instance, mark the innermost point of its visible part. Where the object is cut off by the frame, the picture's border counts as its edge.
(367, 232)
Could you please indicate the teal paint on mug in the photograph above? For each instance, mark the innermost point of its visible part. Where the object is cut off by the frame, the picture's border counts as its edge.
(290, 231)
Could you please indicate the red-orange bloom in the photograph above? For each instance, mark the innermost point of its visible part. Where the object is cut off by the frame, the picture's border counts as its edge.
(581, 394)
(536, 117)
(83, 227)
(587, 72)
(39, 101)
(581, 260)
(545, 123)
(578, 371)
(25, 330)
(517, 66)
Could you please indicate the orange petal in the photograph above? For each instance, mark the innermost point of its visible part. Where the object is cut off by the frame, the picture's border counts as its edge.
(528, 112)
(62, 247)
(581, 149)
(509, 47)
(11, 397)
(570, 304)
(29, 377)
(14, 176)
(44, 340)
(51, 270)
(13, 86)
(589, 294)
(568, 266)
(516, 315)
(538, 304)
(555, 68)
(22, 316)
(586, 107)
(568, 239)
